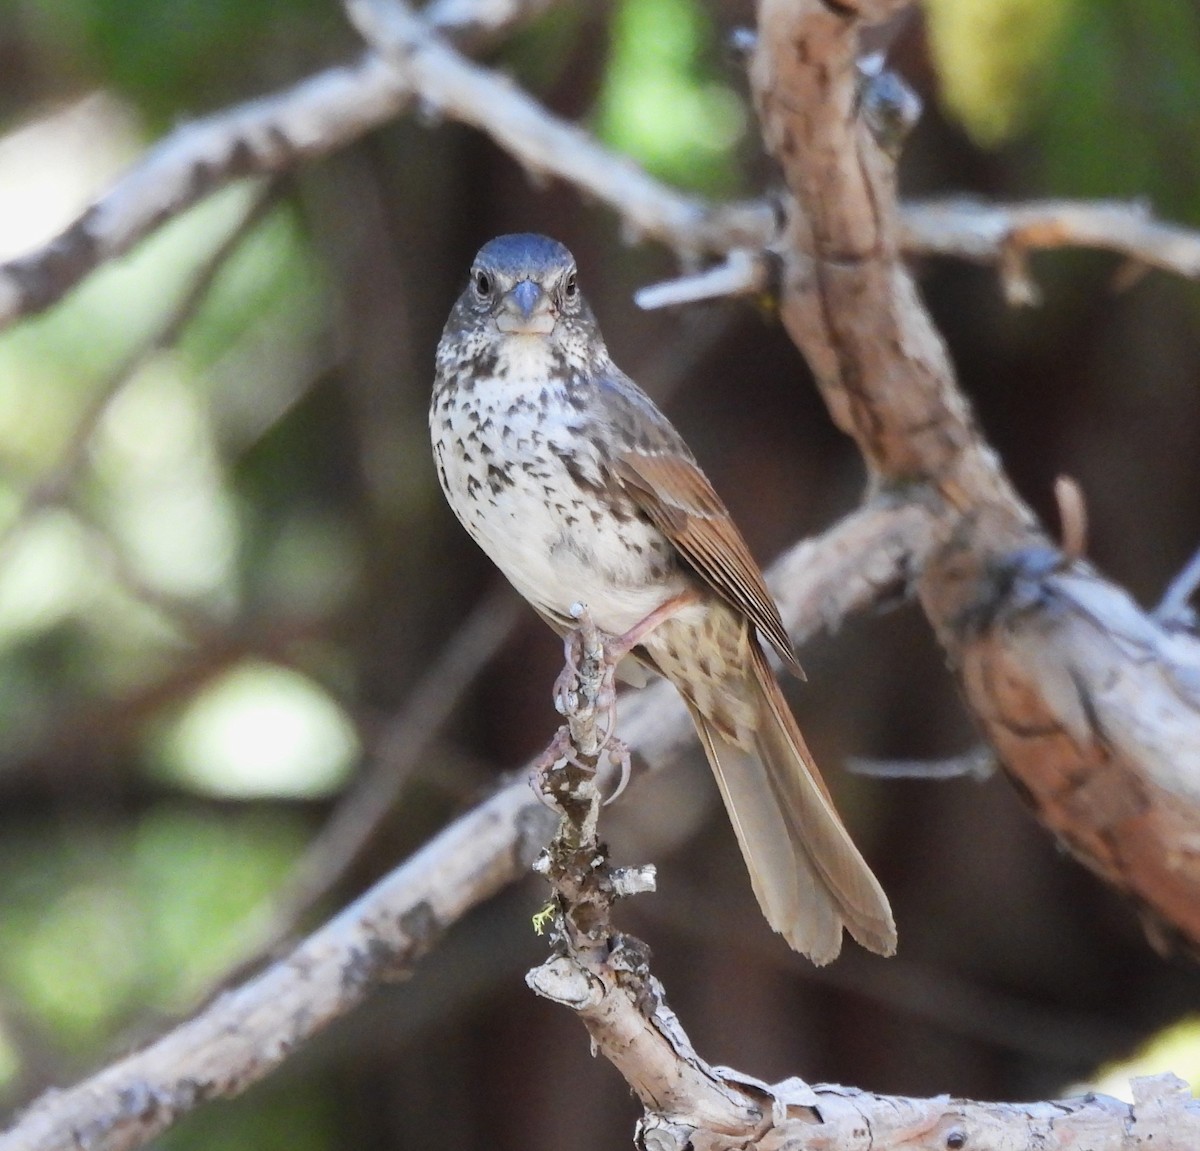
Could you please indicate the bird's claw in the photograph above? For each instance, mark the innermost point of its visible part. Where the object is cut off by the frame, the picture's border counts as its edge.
(562, 751)
(618, 753)
(566, 686)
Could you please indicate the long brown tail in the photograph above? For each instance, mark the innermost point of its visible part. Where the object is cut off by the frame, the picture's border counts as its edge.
(806, 872)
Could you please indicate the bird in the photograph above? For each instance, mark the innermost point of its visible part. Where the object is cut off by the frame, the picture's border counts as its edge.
(581, 491)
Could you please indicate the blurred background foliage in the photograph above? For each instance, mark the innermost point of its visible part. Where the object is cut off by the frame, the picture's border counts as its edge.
(224, 565)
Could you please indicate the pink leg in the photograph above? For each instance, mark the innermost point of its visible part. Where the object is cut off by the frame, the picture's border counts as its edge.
(569, 676)
(616, 648)
(624, 644)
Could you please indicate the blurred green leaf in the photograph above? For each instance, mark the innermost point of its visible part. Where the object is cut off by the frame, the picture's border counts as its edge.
(178, 56)
(991, 57)
(275, 1116)
(261, 731)
(661, 105)
(99, 924)
(1122, 107)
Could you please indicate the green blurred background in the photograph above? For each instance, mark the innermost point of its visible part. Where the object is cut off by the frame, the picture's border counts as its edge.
(213, 607)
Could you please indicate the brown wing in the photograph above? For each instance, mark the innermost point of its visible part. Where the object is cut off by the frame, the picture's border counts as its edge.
(678, 499)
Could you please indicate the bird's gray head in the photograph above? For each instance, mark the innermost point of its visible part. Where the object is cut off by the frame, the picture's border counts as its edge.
(525, 285)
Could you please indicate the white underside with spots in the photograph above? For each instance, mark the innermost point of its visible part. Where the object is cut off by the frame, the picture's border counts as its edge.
(539, 529)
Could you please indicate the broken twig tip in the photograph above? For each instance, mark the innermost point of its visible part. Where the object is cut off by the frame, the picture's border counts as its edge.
(1072, 517)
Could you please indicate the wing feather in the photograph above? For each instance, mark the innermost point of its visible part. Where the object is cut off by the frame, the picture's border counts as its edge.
(677, 498)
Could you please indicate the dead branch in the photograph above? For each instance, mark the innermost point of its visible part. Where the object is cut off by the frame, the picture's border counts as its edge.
(242, 1035)
(1091, 704)
(248, 1032)
(333, 108)
(450, 85)
(972, 230)
(262, 137)
(1174, 609)
(400, 747)
(604, 976)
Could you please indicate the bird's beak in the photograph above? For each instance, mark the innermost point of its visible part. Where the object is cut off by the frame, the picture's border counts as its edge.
(526, 310)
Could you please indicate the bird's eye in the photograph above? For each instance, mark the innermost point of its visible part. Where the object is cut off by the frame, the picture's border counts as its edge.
(483, 284)
(570, 287)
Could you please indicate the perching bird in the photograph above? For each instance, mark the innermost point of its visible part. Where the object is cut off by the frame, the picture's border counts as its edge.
(581, 491)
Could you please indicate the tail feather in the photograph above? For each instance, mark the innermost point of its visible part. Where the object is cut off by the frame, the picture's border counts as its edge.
(817, 830)
(807, 874)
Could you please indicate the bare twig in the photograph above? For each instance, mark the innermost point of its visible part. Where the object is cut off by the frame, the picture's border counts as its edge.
(979, 763)
(450, 85)
(599, 973)
(399, 749)
(973, 230)
(1072, 517)
(743, 273)
(1175, 609)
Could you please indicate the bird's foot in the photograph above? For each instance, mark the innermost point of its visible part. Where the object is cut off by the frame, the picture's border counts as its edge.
(561, 751)
(566, 686)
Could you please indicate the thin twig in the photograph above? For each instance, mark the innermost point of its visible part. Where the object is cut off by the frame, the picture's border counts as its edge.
(974, 230)
(450, 85)
(742, 273)
(979, 763)
(1175, 607)
(1072, 517)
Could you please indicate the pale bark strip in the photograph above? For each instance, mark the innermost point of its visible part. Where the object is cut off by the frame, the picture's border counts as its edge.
(1093, 706)
(450, 85)
(243, 1035)
(248, 1032)
(975, 230)
(267, 136)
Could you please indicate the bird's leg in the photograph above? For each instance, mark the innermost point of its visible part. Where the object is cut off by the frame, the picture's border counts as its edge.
(558, 751)
(583, 648)
(616, 648)
(622, 645)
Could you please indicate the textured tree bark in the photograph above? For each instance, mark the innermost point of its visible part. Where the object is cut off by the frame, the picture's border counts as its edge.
(604, 976)
(1092, 705)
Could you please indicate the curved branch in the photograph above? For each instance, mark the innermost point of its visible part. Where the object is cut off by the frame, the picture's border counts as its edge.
(1093, 705)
